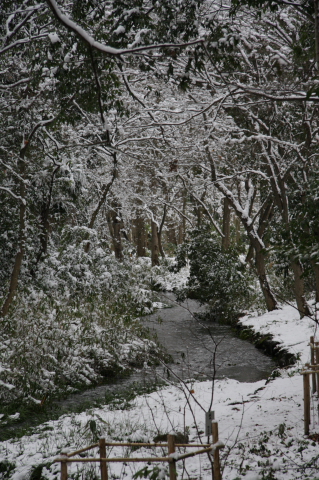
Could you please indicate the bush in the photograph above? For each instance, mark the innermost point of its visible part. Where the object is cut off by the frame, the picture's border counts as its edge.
(217, 278)
(73, 324)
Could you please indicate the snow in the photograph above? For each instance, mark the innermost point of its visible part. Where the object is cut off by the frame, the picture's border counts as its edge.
(67, 58)
(286, 328)
(54, 38)
(66, 21)
(15, 416)
(174, 455)
(7, 385)
(119, 30)
(261, 424)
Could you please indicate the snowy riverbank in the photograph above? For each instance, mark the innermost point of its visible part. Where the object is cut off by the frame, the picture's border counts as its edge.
(260, 423)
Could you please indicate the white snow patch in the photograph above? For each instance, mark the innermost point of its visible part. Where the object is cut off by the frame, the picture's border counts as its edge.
(54, 37)
(119, 30)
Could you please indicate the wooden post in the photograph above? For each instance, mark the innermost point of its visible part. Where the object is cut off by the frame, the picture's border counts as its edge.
(103, 465)
(171, 449)
(217, 474)
(306, 394)
(313, 359)
(64, 468)
(316, 360)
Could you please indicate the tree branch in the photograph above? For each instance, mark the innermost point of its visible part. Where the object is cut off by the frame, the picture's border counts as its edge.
(80, 32)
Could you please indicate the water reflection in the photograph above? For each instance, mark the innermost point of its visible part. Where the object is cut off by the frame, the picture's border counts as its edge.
(202, 349)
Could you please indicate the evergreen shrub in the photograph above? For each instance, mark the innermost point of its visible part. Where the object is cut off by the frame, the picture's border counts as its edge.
(218, 278)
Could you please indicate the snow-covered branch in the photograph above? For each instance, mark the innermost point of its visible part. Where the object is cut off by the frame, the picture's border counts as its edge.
(106, 49)
(17, 197)
(22, 41)
(15, 84)
(282, 97)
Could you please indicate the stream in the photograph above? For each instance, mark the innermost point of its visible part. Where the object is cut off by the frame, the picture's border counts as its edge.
(193, 345)
(203, 349)
(199, 349)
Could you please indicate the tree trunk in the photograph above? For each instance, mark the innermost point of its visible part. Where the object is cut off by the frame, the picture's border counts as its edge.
(315, 268)
(44, 236)
(115, 226)
(316, 8)
(22, 224)
(45, 224)
(182, 226)
(21, 247)
(262, 277)
(180, 234)
(160, 231)
(140, 237)
(117, 240)
(105, 191)
(299, 288)
(13, 282)
(199, 215)
(226, 225)
(155, 245)
(160, 246)
(299, 284)
(171, 235)
(255, 241)
(237, 228)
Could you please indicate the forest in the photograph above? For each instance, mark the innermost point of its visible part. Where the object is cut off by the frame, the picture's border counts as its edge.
(152, 148)
(138, 137)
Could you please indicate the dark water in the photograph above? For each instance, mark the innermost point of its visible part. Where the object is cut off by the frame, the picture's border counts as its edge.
(202, 349)
(199, 349)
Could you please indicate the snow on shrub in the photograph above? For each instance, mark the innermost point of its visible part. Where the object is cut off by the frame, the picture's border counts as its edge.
(73, 325)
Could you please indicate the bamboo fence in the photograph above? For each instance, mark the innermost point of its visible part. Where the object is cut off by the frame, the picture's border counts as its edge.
(171, 458)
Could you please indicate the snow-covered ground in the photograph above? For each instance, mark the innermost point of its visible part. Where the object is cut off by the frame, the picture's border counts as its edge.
(260, 423)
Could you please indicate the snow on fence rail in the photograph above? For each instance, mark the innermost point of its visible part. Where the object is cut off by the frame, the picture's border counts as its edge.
(172, 457)
(313, 370)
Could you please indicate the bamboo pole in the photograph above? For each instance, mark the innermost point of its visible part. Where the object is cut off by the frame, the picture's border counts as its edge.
(313, 367)
(217, 474)
(172, 463)
(64, 471)
(136, 444)
(316, 360)
(82, 450)
(115, 459)
(141, 459)
(193, 454)
(64, 467)
(312, 360)
(310, 370)
(306, 392)
(103, 465)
